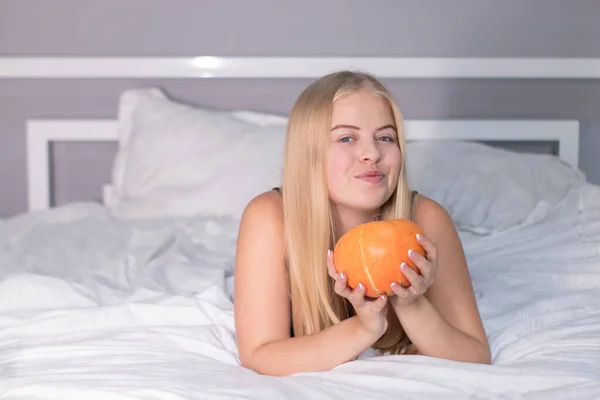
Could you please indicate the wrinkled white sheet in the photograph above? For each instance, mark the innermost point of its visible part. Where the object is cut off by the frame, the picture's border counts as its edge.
(95, 308)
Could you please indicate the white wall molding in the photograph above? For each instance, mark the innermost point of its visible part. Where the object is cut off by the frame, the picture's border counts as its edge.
(296, 67)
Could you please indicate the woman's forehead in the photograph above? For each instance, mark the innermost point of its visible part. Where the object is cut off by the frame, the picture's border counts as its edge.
(362, 108)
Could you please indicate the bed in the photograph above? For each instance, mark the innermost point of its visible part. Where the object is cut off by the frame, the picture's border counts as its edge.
(131, 297)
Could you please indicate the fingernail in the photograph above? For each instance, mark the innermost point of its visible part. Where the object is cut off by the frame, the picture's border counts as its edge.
(411, 253)
(342, 275)
(362, 287)
(403, 266)
(328, 253)
(419, 236)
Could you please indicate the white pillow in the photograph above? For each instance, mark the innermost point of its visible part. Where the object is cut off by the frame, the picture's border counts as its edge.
(127, 105)
(487, 189)
(128, 102)
(259, 118)
(178, 160)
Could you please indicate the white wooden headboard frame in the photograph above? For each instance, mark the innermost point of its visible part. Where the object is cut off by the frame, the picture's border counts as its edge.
(41, 133)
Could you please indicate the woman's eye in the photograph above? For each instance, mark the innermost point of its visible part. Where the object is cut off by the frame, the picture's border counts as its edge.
(345, 139)
(387, 138)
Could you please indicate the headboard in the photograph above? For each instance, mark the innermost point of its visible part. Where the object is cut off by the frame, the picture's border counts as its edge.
(42, 132)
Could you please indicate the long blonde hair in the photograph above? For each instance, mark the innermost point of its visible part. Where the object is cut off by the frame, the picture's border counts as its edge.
(308, 220)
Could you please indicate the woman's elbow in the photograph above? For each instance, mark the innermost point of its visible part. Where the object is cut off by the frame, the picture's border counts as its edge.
(262, 368)
(484, 355)
(254, 362)
(487, 358)
(247, 360)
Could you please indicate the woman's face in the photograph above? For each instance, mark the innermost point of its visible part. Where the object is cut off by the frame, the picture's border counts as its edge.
(364, 160)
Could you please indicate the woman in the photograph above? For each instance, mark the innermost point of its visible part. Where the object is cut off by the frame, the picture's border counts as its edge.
(345, 165)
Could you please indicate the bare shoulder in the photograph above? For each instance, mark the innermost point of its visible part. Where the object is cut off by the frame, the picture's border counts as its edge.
(261, 228)
(266, 208)
(438, 227)
(432, 217)
(261, 301)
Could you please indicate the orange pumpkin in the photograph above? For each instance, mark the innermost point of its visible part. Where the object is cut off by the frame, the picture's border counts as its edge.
(371, 254)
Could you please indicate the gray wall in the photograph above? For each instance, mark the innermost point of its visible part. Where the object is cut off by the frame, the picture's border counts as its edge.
(519, 28)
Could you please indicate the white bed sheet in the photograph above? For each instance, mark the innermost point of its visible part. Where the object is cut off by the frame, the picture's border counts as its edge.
(95, 308)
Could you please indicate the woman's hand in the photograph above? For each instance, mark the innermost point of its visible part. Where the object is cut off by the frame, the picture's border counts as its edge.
(419, 283)
(371, 313)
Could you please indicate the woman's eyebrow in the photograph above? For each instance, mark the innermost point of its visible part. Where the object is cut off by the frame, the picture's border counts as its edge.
(345, 126)
(357, 128)
(386, 127)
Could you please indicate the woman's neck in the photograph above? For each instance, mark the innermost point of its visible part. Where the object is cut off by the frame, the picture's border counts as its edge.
(346, 219)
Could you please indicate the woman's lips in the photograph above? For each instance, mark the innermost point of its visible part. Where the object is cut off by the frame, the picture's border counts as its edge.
(371, 176)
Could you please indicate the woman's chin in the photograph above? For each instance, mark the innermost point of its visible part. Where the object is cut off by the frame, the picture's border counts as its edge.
(371, 202)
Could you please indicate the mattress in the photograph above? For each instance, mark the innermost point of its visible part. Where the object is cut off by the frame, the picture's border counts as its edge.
(93, 307)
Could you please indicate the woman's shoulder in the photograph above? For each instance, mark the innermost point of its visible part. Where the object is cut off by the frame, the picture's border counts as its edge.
(268, 201)
(260, 239)
(431, 216)
(265, 210)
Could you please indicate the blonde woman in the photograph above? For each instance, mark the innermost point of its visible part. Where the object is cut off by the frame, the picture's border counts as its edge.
(344, 165)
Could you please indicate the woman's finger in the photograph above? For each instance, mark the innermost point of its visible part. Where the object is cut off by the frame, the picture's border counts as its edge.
(417, 282)
(341, 286)
(331, 270)
(357, 298)
(428, 245)
(424, 265)
(400, 291)
(413, 289)
(379, 304)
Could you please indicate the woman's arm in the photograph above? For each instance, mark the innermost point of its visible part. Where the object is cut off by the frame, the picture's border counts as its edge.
(311, 353)
(436, 337)
(444, 321)
(262, 303)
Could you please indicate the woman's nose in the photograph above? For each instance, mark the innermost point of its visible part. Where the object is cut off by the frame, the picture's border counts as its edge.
(369, 152)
